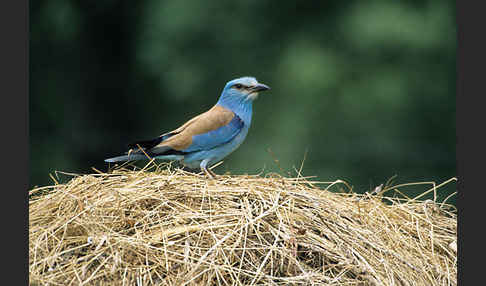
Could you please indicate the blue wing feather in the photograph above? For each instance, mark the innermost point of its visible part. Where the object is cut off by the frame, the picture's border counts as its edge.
(216, 137)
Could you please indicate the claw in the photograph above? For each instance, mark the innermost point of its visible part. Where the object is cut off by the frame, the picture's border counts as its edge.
(209, 173)
(213, 174)
(205, 170)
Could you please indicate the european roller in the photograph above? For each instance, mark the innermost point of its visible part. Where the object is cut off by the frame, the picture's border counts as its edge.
(207, 138)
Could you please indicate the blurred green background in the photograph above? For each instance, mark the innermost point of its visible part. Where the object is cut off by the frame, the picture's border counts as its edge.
(366, 89)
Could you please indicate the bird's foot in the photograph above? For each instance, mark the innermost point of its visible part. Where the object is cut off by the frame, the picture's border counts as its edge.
(209, 173)
(213, 174)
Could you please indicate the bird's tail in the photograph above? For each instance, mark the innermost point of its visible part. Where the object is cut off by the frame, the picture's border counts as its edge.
(136, 157)
(131, 157)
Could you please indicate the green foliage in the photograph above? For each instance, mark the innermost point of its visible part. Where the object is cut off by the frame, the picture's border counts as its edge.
(365, 88)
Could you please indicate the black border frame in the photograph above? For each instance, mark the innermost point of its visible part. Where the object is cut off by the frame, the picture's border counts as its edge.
(14, 84)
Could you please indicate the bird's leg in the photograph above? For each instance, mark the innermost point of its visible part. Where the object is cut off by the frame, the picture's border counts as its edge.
(205, 170)
(209, 173)
(213, 174)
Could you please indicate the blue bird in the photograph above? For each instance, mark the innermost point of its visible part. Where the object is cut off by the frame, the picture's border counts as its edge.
(207, 138)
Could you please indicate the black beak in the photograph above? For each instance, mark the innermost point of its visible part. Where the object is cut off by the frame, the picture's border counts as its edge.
(260, 87)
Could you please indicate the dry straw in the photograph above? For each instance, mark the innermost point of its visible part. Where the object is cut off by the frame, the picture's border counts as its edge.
(165, 226)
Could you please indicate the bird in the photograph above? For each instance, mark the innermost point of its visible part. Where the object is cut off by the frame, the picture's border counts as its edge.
(208, 137)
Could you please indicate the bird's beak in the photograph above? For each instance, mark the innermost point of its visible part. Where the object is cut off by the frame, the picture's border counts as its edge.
(260, 87)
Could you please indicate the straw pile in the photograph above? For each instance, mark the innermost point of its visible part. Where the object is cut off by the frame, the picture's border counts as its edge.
(165, 226)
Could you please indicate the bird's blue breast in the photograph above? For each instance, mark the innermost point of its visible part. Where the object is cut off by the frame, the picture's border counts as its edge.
(241, 107)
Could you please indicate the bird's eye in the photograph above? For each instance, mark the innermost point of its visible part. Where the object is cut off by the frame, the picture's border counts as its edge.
(238, 86)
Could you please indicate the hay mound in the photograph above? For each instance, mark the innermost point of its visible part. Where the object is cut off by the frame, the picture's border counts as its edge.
(170, 227)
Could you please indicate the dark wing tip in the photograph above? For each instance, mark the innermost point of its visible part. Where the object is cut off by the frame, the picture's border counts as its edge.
(145, 144)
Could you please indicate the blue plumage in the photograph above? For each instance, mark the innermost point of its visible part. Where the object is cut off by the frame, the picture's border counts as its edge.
(217, 137)
(209, 137)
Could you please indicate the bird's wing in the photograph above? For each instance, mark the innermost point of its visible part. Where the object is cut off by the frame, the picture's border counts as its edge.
(208, 130)
(203, 132)
(216, 137)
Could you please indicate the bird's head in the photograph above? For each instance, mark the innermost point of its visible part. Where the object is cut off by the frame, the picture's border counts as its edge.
(243, 89)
